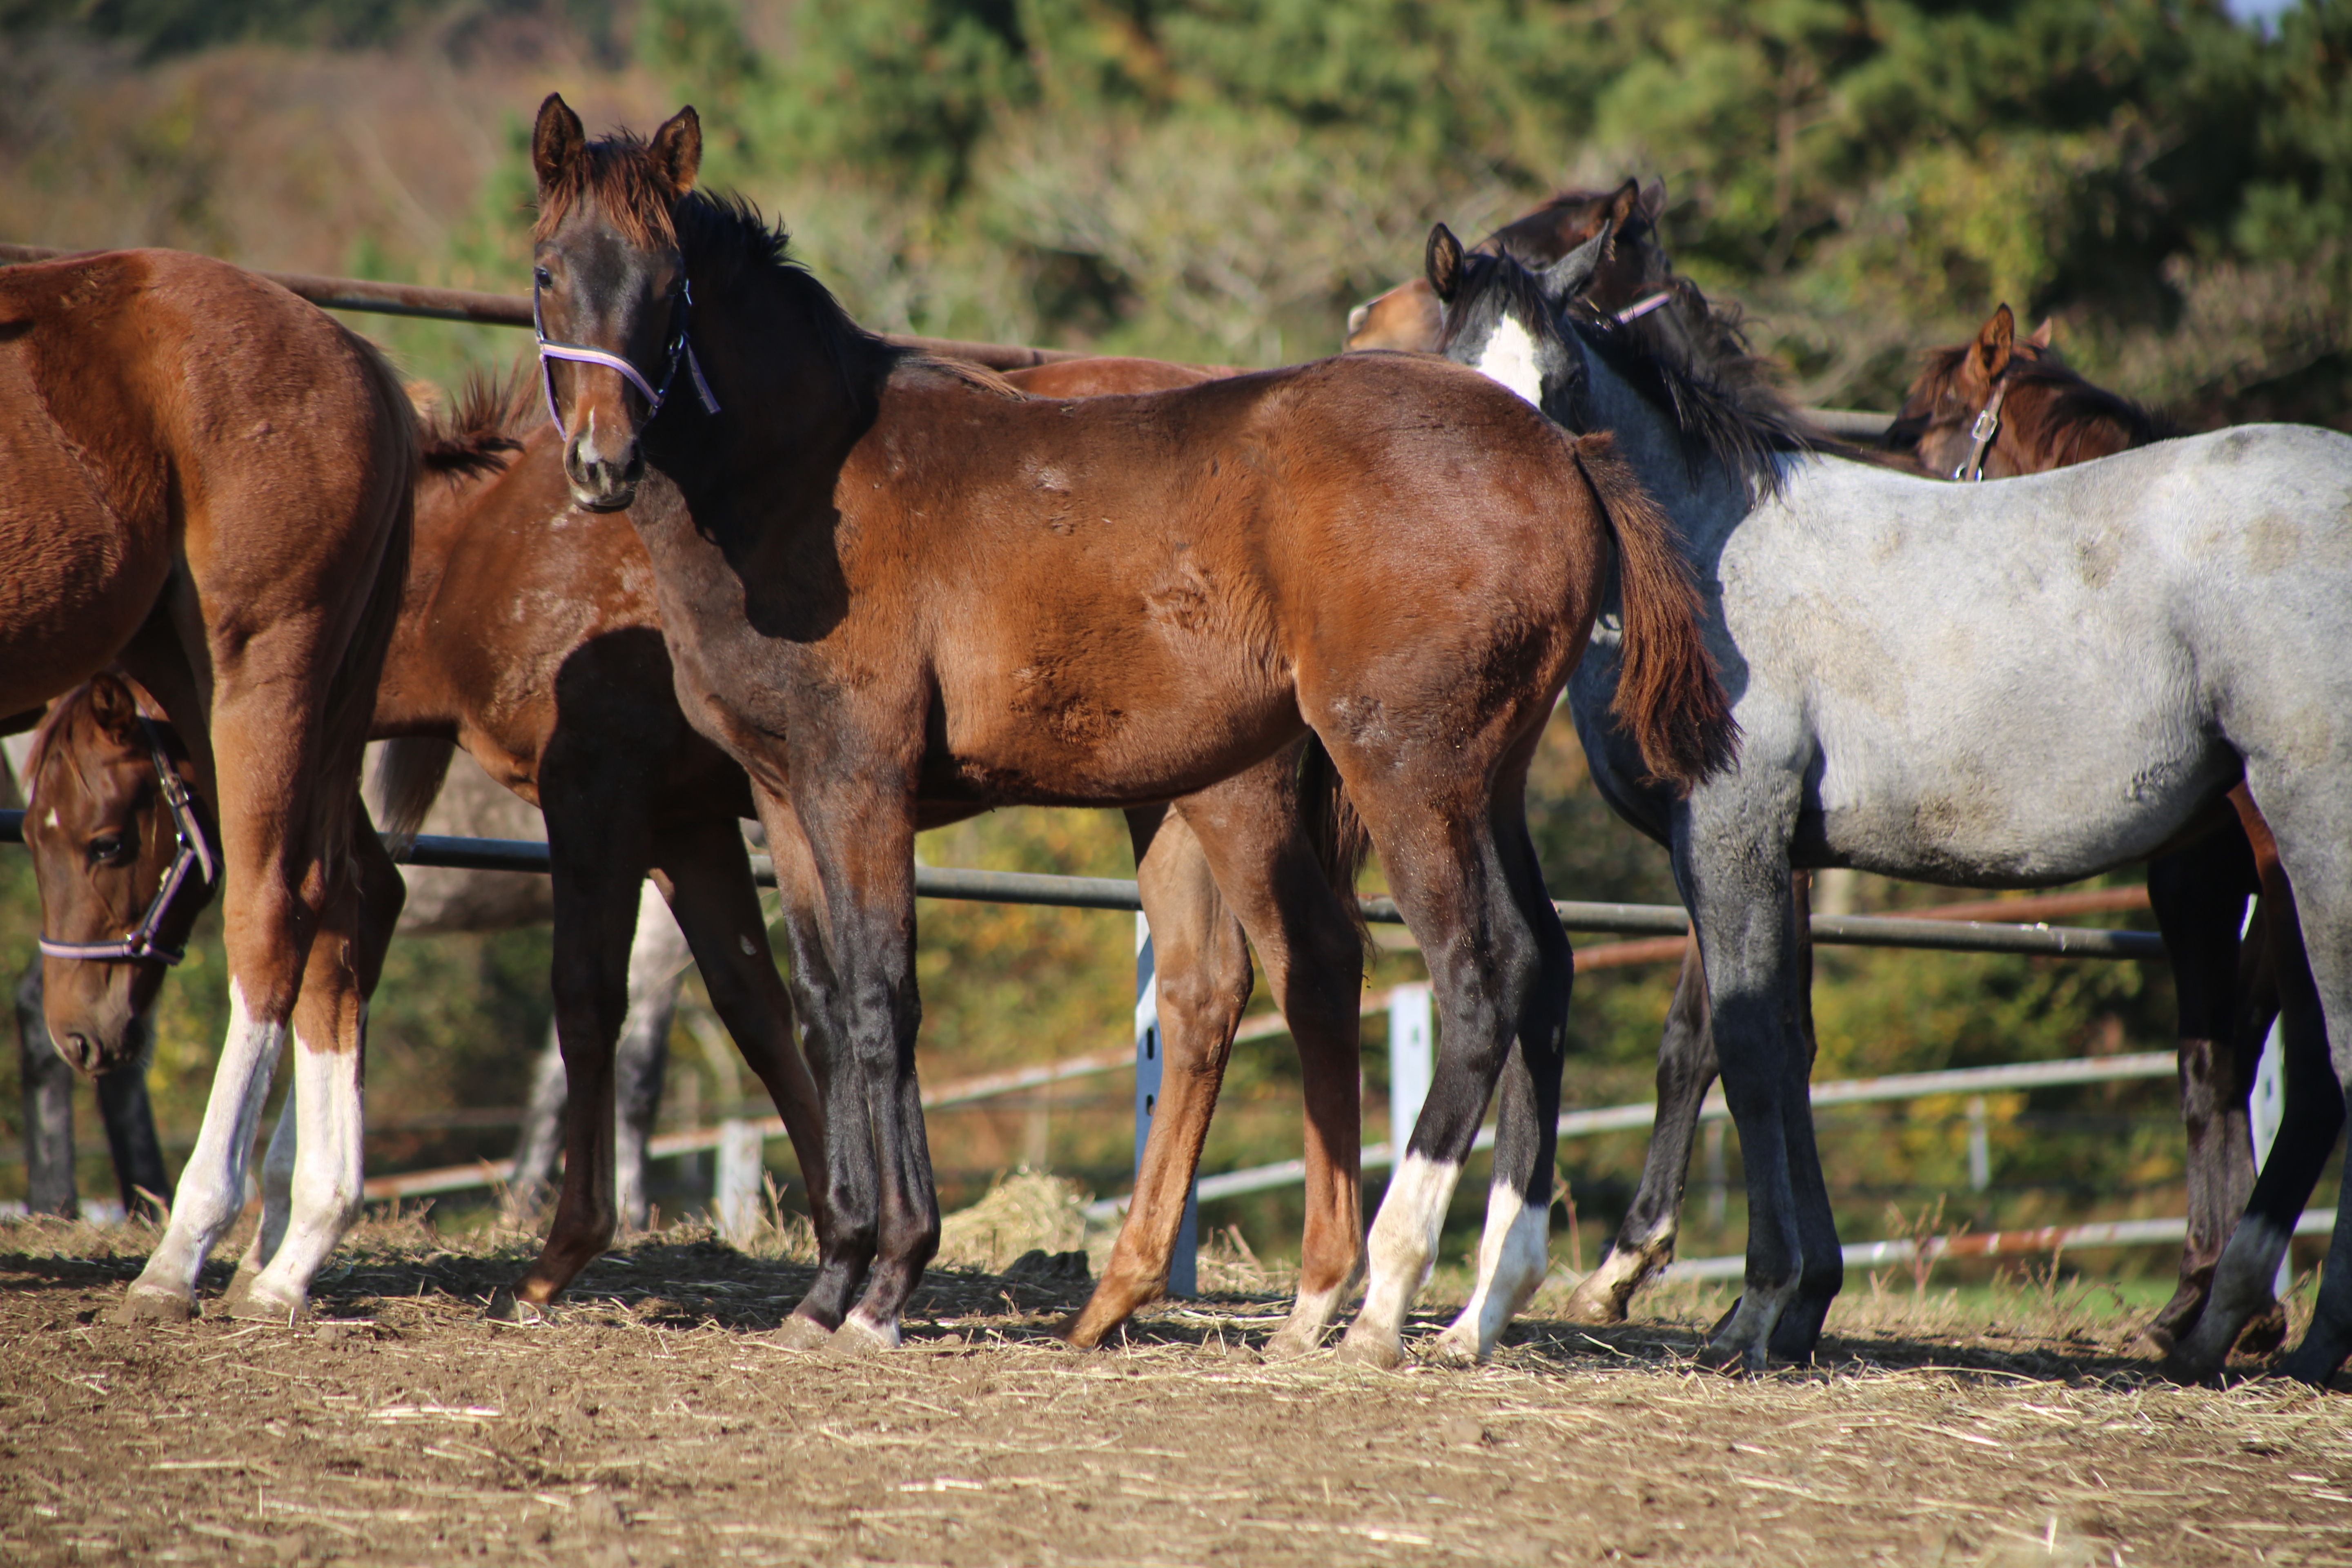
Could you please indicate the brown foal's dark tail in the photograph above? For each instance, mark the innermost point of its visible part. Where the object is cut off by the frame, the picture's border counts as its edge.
(409, 774)
(1668, 694)
(478, 435)
(1337, 834)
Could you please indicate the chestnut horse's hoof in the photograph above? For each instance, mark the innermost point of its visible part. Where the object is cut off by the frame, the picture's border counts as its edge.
(145, 1305)
(1384, 1351)
(508, 1305)
(1289, 1343)
(240, 1287)
(1455, 1349)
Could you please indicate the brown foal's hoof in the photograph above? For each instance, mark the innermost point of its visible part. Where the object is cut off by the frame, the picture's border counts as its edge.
(798, 1333)
(508, 1305)
(143, 1305)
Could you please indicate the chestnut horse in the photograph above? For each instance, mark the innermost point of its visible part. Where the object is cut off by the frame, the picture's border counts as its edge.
(209, 481)
(884, 577)
(494, 541)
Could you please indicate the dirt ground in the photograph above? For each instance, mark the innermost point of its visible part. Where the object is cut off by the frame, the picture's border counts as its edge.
(651, 1423)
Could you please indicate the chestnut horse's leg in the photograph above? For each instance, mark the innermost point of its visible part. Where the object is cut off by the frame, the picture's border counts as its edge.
(598, 850)
(718, 910)
(1250, 830)
(845, 1249)
(1514, 1249)
(1453, 875)
(2199, 894)
(323, 1189)
(1645, 1242)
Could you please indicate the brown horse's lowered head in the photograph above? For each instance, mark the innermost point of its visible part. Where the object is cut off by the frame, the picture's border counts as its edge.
(103, 839)
(2034, 411)
(605, 234)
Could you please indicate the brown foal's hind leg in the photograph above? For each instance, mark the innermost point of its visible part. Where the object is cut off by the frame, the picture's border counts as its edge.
(711, 893)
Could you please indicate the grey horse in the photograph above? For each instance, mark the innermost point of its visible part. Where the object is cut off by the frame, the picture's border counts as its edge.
(2017, 685)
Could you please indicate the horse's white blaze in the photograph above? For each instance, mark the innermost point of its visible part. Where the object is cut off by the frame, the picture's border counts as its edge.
(326, 1195)
(212, 1187)
(1512, 1257)
(1403, 1245)
(1509, 358)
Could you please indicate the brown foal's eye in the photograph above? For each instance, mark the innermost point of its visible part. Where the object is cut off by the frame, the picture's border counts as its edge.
(108, 849)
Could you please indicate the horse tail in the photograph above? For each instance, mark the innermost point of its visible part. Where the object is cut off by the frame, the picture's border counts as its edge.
(1334, 831)
(475, 435)
(1668, 693)
(409, 774)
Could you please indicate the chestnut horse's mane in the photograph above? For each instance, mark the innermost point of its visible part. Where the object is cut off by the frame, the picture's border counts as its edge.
(60, 715)
(1721, 396)
(2073, 410)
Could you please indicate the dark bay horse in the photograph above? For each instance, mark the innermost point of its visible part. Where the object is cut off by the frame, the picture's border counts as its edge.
(1998, 694)
(885, 578)
(209, 481)
(1631, 276)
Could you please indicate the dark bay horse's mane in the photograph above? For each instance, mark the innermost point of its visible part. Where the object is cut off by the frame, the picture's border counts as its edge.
(730, 243)
(2069, 423)
(1721, 396)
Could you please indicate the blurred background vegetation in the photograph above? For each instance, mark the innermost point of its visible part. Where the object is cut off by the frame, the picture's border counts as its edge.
(1220, 180)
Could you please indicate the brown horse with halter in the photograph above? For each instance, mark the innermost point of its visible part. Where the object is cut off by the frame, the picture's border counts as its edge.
(209, 481)
(885, 578)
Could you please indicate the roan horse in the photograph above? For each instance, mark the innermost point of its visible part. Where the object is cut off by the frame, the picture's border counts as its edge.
(2228, 997)
(885, 578)
(2019, 684)
(209, 480)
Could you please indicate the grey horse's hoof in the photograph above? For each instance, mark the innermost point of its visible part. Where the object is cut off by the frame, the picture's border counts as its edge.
(258, 1306)
(143, 1305)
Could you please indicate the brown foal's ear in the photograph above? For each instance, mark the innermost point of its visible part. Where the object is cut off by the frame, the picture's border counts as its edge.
(556, 140)
(1625, 203)
(678, 149)
(2046, 333)
(1442, 263)
(1994, 342)
(112, 705)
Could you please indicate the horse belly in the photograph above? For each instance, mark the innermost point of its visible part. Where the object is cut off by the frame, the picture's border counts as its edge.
(75, 582)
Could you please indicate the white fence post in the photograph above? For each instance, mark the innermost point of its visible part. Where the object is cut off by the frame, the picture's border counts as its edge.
(1412, 1035)
(735, 1195)
(1979, 1146)
(1183, 1275)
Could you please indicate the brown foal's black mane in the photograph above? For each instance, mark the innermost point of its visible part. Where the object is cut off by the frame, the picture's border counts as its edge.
(1722, 399)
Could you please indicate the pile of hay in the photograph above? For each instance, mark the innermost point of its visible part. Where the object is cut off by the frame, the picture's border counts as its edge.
(1030, 1223)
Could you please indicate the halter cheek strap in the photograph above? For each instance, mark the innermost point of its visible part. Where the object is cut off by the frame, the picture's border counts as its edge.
(1980, 437)
(1641, 308)
(194, 854)
(681, 351)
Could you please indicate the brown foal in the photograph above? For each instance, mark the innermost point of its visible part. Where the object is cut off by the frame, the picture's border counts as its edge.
(886, 580)
(209, 480)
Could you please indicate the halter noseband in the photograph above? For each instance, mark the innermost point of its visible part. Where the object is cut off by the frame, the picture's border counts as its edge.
(1981, 434)
(194, 853)
(680, 352)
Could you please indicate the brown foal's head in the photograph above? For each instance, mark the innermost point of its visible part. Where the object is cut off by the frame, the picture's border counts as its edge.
(610, 279)
(102, 838)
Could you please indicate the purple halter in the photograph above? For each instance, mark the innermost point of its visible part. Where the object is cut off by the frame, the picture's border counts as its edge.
(581, 354)
(195, 853)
